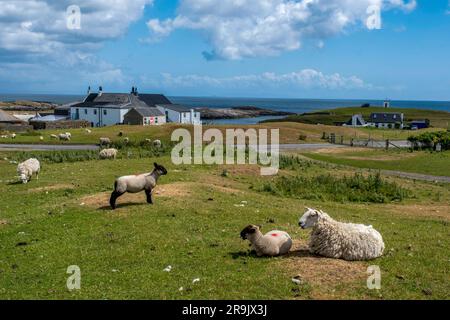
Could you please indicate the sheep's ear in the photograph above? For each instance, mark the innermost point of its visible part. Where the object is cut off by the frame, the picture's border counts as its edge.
(155, 164)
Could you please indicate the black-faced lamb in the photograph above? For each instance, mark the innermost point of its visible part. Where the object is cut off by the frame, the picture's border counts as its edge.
(273, 243)
(348, 241)
(137, 183)
(27, 168)
(157, 143)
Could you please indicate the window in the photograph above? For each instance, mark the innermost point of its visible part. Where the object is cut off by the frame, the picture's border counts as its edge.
(105, 112)
(95, 111)
(85, 111)
(156, 120)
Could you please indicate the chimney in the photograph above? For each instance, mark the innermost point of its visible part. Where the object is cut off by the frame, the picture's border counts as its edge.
(100, 91)
(89, 90)
(132, 90)
(135, 91)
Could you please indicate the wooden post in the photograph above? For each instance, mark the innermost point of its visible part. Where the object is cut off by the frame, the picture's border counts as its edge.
(352, 143)
(387, 144)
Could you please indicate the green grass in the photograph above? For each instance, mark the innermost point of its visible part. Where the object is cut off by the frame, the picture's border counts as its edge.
(49, 224)
(439, 119)
(436, 163)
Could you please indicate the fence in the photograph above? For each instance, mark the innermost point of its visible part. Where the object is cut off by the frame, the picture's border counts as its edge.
(367, 143)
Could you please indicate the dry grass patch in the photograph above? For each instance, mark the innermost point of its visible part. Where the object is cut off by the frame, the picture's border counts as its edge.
(53, 187)
(326, 277)
(420, 210)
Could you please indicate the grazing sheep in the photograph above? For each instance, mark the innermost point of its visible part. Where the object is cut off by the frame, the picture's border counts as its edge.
(13, 136)
(105, 141)
(68, 134)
(157, 143)
(273, 243)
(88, 130)
(4, 136)
(340, 240)
(64, 136)
(41, 138)
(53, 136)
(137, 183)
(148, 140)
(126, 140)
(108, 154)
(27, 168)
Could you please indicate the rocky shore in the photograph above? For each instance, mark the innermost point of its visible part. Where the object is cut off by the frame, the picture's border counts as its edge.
(238, 113)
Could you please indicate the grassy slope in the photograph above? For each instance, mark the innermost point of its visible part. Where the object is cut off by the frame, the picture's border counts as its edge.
(418, 162)
(123, 254)
(289, 133)
(439, 119)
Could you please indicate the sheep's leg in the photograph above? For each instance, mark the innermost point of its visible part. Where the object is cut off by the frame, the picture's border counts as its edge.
(112, 200)
(149, 196)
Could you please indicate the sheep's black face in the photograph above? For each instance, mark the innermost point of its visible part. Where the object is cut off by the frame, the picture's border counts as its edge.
(160, 169)
(248, 230)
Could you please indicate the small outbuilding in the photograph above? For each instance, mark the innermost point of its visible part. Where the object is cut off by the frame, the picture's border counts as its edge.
(144, 117)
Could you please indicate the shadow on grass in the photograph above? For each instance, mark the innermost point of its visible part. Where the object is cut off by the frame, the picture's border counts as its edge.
(14, 183)
(119, 206)
(301, 253)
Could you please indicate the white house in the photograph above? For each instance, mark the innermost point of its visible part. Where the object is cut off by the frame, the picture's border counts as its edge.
(180, 114)
(105, 109)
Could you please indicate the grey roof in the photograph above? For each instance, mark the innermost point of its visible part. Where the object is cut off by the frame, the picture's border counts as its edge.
(6, 117)
(386, 117)
(148, 112)
(154, 99)
(175, 107)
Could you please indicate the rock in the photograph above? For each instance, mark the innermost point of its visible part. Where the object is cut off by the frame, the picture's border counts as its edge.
(427, 292)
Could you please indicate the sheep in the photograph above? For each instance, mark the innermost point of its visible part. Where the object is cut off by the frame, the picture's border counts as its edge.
(68, 134)
(41, 138)
(105, 141)
(137, 183)
(148, 141)
(64, 136)
(157, 143)
(4, 136)
(13, 136)
(340, 240)
(273, 243)
(126, 140)
(53, 136)
(108, 154)
(88, 130)
(27, 168)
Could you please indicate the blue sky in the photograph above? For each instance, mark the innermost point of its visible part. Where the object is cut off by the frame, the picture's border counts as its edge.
(258, 48)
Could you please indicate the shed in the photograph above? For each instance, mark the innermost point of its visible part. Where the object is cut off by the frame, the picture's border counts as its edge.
(144, 117)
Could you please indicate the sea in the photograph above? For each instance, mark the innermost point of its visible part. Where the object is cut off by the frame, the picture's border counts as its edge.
(288, 105)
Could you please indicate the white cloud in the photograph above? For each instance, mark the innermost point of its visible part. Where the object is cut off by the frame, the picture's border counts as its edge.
(237, 28)
(304, 79)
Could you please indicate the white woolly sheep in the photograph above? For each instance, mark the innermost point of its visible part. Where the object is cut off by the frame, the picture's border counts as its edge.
(64, 136)
(4, 136)
(27, 168)
(157, 143)
(13, 136)
(340, 240)
(88, 130)
(137, 183)
(108, 154)
(105, 141)
(53, 136)
(68, 134)
(273, 243)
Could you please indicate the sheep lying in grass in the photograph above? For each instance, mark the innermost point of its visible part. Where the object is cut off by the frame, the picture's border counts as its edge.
(273, 243)
(53, 136)
(137, 183)
(108, 154)
(340, 240)
(27, 168)
(157, 143)
(88, 130)
(64, 137)
(105, 141)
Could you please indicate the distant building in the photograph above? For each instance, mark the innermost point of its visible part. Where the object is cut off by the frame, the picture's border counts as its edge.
(387, 104)
(144, 117)
(420, 124)
(180, 114)
(388, 120)
(105, 109)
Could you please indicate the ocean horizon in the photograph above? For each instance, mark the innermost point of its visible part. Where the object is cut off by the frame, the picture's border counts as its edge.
(278, 104)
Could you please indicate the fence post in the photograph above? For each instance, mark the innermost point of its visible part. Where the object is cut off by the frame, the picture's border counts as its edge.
(387, 144)
(351, 143)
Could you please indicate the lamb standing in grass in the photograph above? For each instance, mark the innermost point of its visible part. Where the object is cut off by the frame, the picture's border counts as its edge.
(340, 240)
(108, 153)
(137, 183)
(273, 243)
(64, 136)
(27, 168)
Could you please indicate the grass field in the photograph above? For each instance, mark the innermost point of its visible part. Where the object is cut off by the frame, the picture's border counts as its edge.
(290, 132)
(63, 219)
(438, 119)
(424, 162)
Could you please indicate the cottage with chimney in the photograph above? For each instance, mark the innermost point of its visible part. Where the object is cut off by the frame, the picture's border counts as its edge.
(387, 120)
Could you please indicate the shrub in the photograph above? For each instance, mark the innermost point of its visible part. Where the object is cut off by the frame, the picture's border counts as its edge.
(429, 140)
(357, 188)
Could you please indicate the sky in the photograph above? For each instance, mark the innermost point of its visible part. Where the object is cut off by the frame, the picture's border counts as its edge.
(349, 49)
